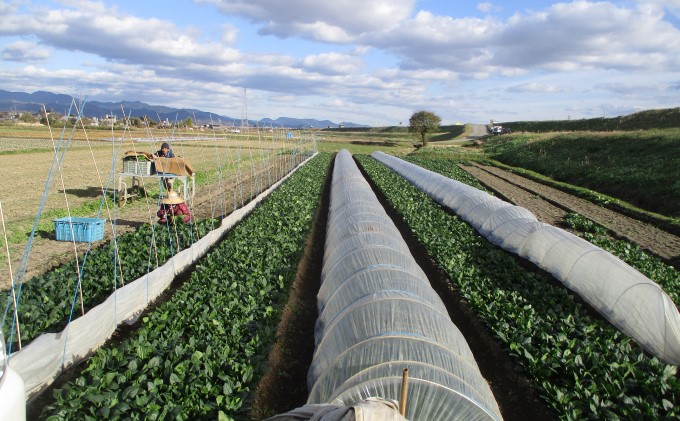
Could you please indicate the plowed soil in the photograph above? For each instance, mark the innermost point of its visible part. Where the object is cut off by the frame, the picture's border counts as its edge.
(551, 206)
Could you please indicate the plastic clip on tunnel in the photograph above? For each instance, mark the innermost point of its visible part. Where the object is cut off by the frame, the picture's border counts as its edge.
(378, 314)
(630, 301)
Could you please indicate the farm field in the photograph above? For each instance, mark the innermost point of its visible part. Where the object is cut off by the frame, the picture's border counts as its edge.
(657, 241)
(229, 173)
(553, 206)
(557, 349)
(543, 327)
(164, 376)
(641, 167)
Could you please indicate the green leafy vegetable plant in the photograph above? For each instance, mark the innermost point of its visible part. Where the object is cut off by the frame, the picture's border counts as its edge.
(199, 355)
(581, 365)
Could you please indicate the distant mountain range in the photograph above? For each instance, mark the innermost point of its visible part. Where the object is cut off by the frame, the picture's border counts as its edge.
(22, 101)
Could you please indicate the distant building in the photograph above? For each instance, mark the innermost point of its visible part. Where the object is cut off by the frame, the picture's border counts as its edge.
(109, 120)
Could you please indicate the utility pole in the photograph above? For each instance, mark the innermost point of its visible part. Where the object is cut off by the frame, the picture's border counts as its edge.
(244, 112)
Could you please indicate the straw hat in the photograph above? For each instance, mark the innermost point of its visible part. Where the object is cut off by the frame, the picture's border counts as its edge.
(172, 199)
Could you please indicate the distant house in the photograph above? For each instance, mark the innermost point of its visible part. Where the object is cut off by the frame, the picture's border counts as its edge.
(109, 120)
(11, 115)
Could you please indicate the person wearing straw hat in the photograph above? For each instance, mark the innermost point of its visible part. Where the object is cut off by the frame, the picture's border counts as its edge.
(173, 206)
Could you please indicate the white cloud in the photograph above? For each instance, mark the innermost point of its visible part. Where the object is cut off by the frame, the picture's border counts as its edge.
(660, 6)
(332, 63)
(588, 35)
(24, 51)
(93, 28)
(637, 89)
(487, 7)
(329, 21)
(536, 88)
(564, 37)
(229, 34)
(563, 49)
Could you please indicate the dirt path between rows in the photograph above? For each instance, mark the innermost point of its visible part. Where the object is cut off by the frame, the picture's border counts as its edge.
(551, 206)
(514, 393)
(284, 386)
(544, 210)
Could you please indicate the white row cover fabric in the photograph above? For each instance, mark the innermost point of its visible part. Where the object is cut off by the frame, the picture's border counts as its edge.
(371, 409)
(630, 301)
(41, 362)
(378, 314)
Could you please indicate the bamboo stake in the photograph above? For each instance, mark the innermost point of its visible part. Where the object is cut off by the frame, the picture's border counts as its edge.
(404, 390)
(68, 207)
(11, 276)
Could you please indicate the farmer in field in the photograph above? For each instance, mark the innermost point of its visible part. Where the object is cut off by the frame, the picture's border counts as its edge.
(166, 152)
(172, 206)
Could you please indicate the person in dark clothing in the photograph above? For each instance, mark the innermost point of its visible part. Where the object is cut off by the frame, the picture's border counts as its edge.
(165, 151)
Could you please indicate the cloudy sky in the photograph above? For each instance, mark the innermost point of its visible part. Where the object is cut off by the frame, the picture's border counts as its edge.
(372, 62)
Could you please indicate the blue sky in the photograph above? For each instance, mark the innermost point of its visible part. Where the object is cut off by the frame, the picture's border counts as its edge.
(372, 62)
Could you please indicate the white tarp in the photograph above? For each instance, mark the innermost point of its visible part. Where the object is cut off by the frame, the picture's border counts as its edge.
(630, 301)
(372, 409)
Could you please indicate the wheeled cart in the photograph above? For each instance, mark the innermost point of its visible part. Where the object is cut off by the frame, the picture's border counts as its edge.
(186, 188)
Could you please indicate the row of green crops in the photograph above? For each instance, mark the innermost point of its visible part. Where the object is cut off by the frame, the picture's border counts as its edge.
(643, 120)
(642, 168)
(198, 355)
(653, 268)
(582, 366)
(45, 300)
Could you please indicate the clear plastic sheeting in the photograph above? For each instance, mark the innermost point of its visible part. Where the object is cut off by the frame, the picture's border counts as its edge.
(378, 314)
(630, 301)
(371, 409)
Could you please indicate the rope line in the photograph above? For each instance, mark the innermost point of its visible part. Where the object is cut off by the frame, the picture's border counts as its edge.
(21, 271)
(11, 277)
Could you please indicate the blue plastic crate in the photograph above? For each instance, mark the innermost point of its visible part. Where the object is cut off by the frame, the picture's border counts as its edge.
(84, 229)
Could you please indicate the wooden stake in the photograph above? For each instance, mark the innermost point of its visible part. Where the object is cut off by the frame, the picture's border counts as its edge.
(404, 389)
(11, 276)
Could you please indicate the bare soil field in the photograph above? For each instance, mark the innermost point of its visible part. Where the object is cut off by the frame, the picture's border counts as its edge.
(551, 206)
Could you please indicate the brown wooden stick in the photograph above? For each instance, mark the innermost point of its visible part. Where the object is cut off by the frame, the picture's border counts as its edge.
(404, 388)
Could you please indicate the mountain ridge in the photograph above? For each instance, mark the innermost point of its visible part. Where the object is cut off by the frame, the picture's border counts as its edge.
(33, 102)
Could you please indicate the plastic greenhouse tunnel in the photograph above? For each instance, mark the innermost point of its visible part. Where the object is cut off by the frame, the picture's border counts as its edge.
(630, 301)
(378, 314)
